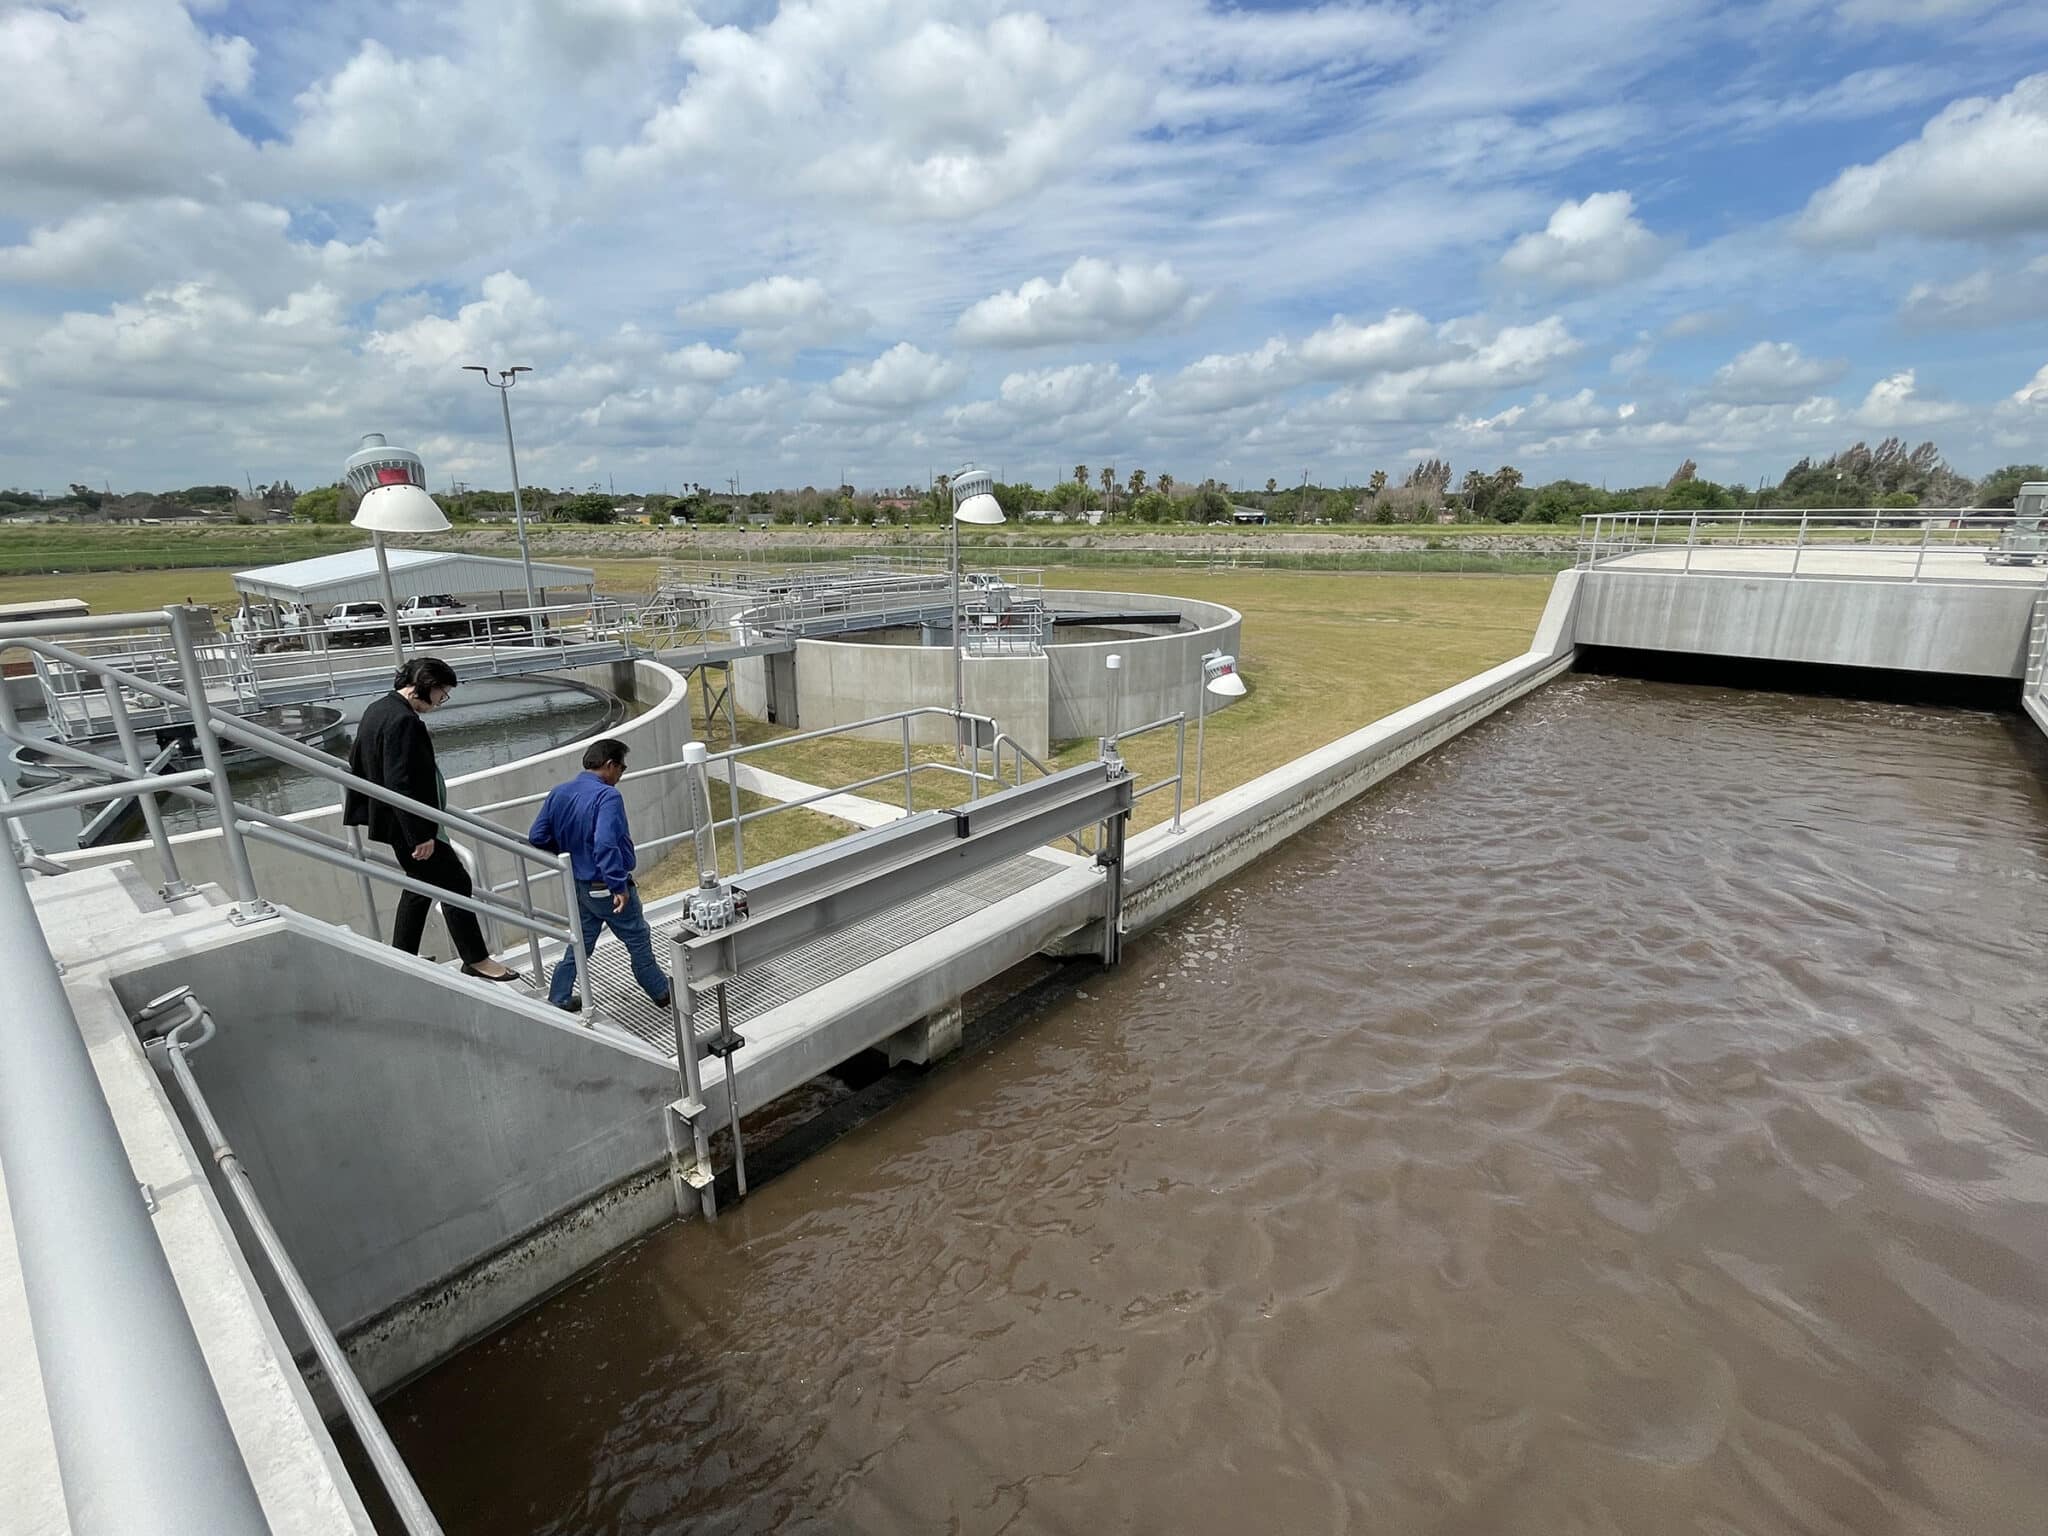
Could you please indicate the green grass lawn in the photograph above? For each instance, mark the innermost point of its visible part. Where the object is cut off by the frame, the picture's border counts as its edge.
(1322, 655)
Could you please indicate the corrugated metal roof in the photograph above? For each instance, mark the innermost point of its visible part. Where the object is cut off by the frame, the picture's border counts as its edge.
(351, 576)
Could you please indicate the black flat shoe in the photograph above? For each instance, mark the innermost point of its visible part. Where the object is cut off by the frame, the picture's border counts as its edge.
(470, 970)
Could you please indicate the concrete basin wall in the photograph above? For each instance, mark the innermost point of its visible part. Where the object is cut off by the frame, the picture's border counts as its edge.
(434, 1155)
(1161, 672)
(1060, 696)
(840, 681)
(1974, 631)
(656, 806)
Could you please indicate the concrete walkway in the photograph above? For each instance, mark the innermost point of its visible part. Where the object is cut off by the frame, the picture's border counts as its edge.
(1879, 562)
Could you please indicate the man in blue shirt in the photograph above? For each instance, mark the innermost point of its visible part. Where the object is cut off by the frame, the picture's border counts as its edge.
(586, 819)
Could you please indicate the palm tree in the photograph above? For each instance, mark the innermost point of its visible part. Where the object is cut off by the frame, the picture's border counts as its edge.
(1378, 483)
(1108, 486)
(1081, 476)
(1166, 485)
(1272, 485)
(1137, 482)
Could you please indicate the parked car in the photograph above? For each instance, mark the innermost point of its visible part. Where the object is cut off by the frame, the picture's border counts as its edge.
(356, 624)
(435, 616)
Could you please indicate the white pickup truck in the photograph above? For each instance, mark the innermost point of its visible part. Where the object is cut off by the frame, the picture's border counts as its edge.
(355, 624)
(435, 616)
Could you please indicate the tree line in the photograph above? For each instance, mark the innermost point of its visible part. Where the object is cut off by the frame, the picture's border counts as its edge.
(1890, 474)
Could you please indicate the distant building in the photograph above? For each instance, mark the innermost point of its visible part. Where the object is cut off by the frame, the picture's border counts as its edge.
(1247, 515)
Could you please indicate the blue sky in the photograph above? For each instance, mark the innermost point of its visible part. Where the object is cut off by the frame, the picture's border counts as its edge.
(876, 239)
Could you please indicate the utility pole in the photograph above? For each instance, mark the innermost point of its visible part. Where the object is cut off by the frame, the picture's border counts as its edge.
(507, 377)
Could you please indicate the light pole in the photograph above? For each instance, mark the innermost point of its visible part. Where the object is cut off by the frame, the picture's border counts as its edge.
(503, 383)
(973, 502)
(391, 487)
(1219, 676)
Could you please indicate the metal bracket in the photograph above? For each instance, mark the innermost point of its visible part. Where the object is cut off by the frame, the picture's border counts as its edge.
(724, 1045)
(257, 911)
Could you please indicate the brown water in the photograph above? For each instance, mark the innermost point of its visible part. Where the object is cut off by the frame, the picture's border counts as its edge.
(1630, 1119)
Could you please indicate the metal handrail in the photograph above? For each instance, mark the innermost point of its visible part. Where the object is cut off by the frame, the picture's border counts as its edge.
(2000, 536)
(234, 824)
(1180, 758)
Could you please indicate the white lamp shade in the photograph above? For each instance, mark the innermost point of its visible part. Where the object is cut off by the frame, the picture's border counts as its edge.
(400, 509)
(979, 508)
(1223, 680)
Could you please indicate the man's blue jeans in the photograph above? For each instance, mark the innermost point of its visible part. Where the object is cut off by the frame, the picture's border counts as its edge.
(631, 927)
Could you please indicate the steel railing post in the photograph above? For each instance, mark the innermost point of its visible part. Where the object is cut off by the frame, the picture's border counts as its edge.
(174, 885)
(1920, 559)
(576, 953)
(526, 906)
(909, 797)
(142, 1441)
(248, 907)
(368, 890)
(1799, 543)
(1180, 766)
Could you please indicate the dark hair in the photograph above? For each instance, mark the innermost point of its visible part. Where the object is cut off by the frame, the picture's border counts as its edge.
(423, 674)
(606, 749)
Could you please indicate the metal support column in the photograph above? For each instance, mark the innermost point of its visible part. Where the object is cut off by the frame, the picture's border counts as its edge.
(698, 1175)
(1111, 860)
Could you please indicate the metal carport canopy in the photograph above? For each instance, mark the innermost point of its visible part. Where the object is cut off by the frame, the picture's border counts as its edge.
(351, 576)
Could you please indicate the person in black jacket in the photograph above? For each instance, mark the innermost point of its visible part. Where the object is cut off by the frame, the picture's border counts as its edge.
(394, 748)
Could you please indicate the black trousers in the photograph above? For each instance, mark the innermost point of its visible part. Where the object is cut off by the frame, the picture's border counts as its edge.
(442, 868)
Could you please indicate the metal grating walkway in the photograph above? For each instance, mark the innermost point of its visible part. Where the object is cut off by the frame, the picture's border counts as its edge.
(762, 987)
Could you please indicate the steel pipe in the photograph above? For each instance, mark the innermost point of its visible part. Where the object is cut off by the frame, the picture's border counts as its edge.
(391, 1469)
(143, 1443)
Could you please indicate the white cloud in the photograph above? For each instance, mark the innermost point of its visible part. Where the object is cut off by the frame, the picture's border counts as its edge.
(1400, 339)
(780, 314)
(1896, 404)
(1633, 359)
(837, 100)
(2034, 393)
(114, 99)
(1222, 381)
(1092, 301)
(194, 342)
(1987, 297)
(510, 317)
(1979, 168)
(1597, 243)
(705, 365)
(1772, 371)
(1072, 406)
(385, 120)
(902, 377)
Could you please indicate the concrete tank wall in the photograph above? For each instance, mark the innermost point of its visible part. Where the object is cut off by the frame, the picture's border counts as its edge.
(839, 681)
(415, 1139)
(1161, 672)
(1975, 631)
(656, 807)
